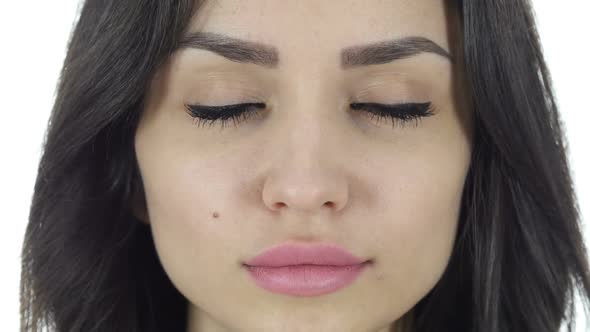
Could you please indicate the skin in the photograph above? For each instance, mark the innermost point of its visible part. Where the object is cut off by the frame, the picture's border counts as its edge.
(306, 170)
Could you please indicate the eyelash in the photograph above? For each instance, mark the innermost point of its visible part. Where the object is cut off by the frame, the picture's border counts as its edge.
(397, 113)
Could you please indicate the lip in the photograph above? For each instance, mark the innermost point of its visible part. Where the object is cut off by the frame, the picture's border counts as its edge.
(305, 270)
(299, 254)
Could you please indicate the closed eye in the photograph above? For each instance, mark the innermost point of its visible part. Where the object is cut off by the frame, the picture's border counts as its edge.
(396, 113)
(237, 113)
(401, 114)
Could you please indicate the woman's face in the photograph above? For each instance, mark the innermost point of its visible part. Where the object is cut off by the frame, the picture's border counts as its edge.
(307, 167)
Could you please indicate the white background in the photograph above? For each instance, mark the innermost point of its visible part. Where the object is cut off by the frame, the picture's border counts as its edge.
(33, 35)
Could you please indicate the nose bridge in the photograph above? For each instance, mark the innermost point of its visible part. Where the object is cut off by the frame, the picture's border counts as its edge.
(306, 124)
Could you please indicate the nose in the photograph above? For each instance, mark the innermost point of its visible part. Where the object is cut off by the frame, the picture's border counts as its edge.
(308, 174)
(305, 192)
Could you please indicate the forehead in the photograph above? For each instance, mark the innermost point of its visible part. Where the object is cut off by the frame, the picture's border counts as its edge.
(315, 30)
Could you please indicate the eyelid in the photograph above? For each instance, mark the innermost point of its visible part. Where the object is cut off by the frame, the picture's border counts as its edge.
(395, 87)
(221, 107)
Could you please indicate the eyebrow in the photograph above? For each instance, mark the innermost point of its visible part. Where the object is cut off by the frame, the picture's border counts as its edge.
(234, 49)
(245, 51)
(389, 50)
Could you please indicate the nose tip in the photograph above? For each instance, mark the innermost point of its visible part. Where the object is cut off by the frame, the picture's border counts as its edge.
(310, 197)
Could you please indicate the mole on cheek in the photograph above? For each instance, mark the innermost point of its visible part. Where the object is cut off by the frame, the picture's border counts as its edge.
(215, 214)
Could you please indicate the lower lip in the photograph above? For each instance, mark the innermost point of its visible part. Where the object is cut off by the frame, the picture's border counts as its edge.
(305, 280)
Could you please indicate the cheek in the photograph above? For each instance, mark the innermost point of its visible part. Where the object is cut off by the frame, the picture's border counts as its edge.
(418, 226)
(184, 200)
(185, 185)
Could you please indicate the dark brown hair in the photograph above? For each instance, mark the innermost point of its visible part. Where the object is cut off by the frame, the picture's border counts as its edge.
(89, 265)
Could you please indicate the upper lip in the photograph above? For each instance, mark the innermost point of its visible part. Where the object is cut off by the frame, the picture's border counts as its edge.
(298, 254)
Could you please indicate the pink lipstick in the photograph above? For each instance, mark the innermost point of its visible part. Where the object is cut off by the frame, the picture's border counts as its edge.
(305, 270)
